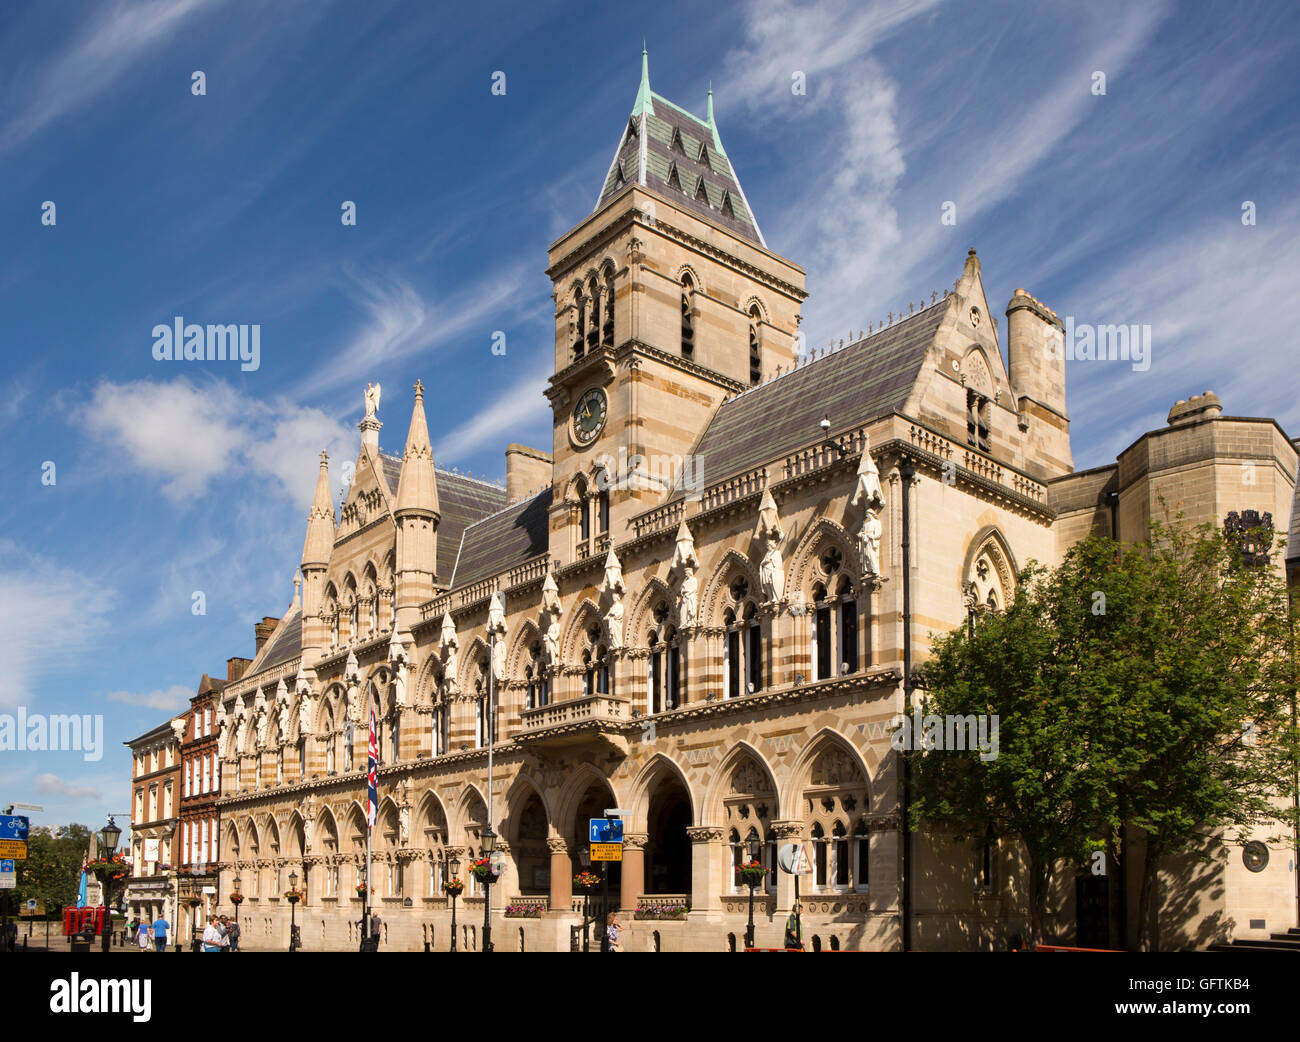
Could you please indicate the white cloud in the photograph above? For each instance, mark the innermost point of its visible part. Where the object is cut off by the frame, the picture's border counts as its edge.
(48, 615)
(186, 435)
(52, 783)
(497, 417)
(108, 48)
(173, 698)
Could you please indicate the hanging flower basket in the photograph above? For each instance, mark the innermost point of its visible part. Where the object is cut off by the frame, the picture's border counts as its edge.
(362, 890)
(751, 873)
(194, 902)
(294, 896)
(482, 869)
(453, 887)
(236, 899)
(586, 881)
(116, 867)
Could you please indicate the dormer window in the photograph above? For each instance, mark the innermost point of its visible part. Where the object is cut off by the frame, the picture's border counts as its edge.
(726, 205)
(673, 180)
(676, 144)
(704, 155)
(701, 193)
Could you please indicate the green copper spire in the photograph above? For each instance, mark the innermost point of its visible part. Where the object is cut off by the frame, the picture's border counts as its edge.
(708, 119)
(643, 102)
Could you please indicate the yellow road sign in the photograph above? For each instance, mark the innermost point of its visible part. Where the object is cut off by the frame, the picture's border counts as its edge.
(14, 848)
(607, 852)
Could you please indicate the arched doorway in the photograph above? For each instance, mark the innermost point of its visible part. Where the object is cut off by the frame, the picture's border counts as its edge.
(598, 797)
(532, 857)
(668, 850)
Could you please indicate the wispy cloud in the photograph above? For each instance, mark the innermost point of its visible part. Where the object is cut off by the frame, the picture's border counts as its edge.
(49, 614)
(97, 58)
(503, 414)
(53, 784)
(169, 699)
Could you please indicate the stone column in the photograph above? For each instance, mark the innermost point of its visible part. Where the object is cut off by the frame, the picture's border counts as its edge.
(706, 861)
(634, 844)
(561, 875)
(786, 832)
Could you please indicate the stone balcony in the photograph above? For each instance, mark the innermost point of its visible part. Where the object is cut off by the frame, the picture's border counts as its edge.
(577, 721)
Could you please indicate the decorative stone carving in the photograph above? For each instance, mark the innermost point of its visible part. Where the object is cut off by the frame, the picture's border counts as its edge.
(372, 400)
(448, 646)
(352, 677)
(868, 489)
(398, 657)
(306, 704)
(612, 589)
(636, 840)
(688, 597)
(404, 825)
(771, 571)
(833, 767)
(704, 834)
(178, 729)
(496, 627)
(869, 544)
(684, 552)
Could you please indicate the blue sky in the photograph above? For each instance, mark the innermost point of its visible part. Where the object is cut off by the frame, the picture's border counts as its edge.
(172, 478)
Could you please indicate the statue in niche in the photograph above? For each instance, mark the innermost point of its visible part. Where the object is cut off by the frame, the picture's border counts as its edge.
(771, 572)
(869, 544)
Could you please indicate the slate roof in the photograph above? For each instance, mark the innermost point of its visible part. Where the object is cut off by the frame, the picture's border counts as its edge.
(1293, 539)
(286, 643)
(850, 386)
(679, 155)
(462, 501)
(502, 541)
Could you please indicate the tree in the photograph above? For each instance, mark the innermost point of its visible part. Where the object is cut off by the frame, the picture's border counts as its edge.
(1146, 687)
(52, 870)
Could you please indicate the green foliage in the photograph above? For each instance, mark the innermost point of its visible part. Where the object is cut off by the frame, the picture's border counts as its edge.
(52, 870)
(1122, 681)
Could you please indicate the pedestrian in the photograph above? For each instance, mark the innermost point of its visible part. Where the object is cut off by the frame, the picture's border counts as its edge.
(212, 936)
(233, 932)
(160, 928)
(223, 924)
(612, 929)
(794, 929)
(142, 937)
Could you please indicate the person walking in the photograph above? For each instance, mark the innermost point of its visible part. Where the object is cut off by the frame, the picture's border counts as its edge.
(160, 928)
(794, 929)
(223, 924)
(612, 929)
(233, 932)
(212, 936)
(142, 936)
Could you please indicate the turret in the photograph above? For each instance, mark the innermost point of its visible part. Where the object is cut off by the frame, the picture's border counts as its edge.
(417, 515)
(1036, 368)
(316, 551)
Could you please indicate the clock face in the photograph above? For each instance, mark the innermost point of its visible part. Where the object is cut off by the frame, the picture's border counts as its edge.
(589, 416)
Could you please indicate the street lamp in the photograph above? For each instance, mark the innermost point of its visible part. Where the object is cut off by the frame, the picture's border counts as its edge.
(293, 901)
(454, 867)
(489, 840)
(235, 883)
(108, 837)
(584, 862)
(755, 848)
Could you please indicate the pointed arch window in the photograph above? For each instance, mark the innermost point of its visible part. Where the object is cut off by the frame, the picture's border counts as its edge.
(755, 345)
(594, 324)
(977, 420)
(820, 855)
(607, 330)
(538, 686)
(584, 510)
(481, 721)
(580, 332)
(665, 682)
(595, 665)
(688, 317)
(602, 511)
(742, 648)
(861, 855)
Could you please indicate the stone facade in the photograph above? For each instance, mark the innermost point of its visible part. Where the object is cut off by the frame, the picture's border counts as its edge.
(690, 608)
(155, 807)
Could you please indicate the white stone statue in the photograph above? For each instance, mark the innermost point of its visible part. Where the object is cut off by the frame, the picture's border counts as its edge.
(352, 675)
(221, 717)
(496, 627)
(261, 726)
(404, 825)
(302, 688)
(241, 730)
(614, 620)
(372, 400)
(284, 721)
(551, 640)
(869, 544)
(449, 645)
(398, 657)
(868, 488)
(771, 571)
(688, 597)
(178, 729)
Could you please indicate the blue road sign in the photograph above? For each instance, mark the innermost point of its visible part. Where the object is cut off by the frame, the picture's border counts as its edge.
(606, 830)
(13, 826)
(7, 867)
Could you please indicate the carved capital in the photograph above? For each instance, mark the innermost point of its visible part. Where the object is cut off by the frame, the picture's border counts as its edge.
(787, 830)
(558, 845)
(704, 834)
(635, 840)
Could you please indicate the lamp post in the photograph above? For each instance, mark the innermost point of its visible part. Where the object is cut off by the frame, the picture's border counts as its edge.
(454, 866)
(755, 848)
(584, 861)
(235, 883)
(489, 840)
(293, 901)
(108, 837)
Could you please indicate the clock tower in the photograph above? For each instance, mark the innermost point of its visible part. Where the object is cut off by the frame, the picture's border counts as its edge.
(667, 302)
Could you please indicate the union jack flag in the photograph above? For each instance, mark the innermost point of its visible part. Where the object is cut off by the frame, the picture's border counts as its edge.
(372, 776)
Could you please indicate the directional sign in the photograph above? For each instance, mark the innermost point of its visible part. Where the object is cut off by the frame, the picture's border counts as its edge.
(607, 852)
(8, 876)
(13, 826)
(14, 848)
(606, 830)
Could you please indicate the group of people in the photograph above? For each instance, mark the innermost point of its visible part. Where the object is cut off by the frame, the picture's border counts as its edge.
(150, 936)
(221, 934)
